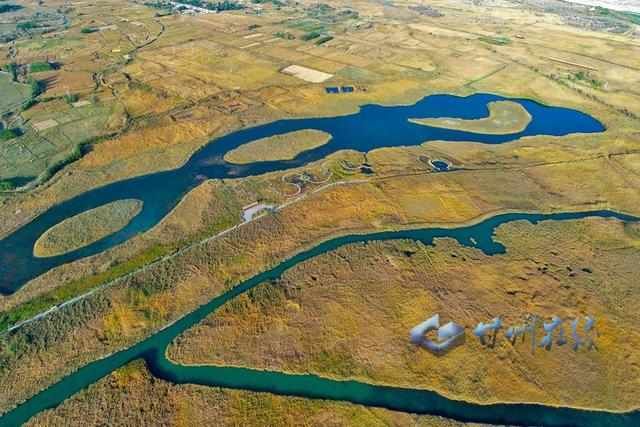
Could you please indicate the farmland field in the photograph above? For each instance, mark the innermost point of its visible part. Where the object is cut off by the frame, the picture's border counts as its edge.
(52, 134)
(13, 94)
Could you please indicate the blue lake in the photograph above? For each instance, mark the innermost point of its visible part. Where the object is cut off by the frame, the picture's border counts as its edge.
(372, 127)
(440, 165)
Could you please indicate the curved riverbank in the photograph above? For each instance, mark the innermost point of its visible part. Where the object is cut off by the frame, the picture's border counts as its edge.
(152, 349)
(505, 117)
(277, 147)
(85, 228)
(388, 397)
(372, 127)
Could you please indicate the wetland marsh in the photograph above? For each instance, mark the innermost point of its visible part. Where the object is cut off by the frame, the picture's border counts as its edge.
(153, 349)
(373, 127)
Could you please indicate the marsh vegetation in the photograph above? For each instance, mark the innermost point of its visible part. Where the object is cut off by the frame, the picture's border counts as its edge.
(505, 117)
(160, 87)
(83, 229)
(278, 147)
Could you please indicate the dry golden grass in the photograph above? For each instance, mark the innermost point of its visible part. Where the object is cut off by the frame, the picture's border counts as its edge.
(388, 203)
(131, 396)
(162, 135)
(347, 314)
(139, 102)
(197, 59)
(85, 228)
(59, 83)
(285, 146)
(505, 117)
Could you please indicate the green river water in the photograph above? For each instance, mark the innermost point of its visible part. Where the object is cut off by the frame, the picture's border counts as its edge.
(152, 350)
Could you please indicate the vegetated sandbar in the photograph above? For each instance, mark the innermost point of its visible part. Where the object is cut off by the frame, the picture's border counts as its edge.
(505, 117)
(374, 126)
(85, 228)
(284, 146)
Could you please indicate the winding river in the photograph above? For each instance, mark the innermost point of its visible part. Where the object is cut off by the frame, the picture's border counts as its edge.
(153, 350)
(373, 126)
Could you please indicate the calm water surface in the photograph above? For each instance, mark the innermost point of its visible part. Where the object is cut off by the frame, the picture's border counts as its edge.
(372, 127)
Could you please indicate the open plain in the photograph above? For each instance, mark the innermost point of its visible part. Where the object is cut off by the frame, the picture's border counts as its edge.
(111, 92)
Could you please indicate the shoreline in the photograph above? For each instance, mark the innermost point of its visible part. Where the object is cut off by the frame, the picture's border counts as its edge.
(628, 6)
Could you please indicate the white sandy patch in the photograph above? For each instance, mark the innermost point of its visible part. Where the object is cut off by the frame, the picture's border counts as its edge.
(250, 212)
(46, 124)
(624, 5)
(81, 103)
(250, 45)
(307, 74)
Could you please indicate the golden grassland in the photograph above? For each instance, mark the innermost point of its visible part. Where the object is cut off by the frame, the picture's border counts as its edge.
(347, 315)
(85, 228)
(125, 313)
(278, 147)
(209, 208)
(186, 88)
(529, 182)
(505, 117)
(202, 52)
(132, 396)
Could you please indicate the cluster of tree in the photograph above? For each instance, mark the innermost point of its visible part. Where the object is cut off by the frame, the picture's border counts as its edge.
(6, 185)
(5, 8)
(70, 98)
(274, 2)
(323, 39)
(311, 35)
(158, 4)
(284, 35)
(12, 68)
(228, 5)
(7, 134)
(632, 17)
(27, 25)
(37, 86)
(217, 6)
(586, 77)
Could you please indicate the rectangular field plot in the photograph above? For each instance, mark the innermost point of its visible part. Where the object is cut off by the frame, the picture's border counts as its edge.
(217, 65)
(307, 74)
(44, 125)
(55, 130)
(13, 94)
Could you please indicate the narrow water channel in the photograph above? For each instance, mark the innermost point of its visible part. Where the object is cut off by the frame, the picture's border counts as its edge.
(373, 126)
(152, 350)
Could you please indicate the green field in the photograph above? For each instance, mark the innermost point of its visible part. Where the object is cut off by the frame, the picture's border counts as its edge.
(13, 94)
(307, 25)
(31, 154)
(38, 67)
